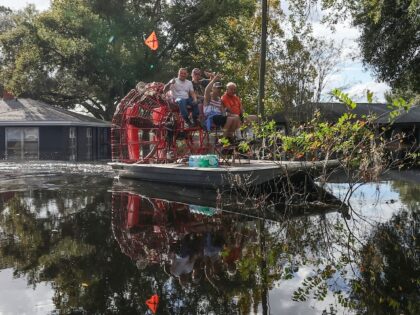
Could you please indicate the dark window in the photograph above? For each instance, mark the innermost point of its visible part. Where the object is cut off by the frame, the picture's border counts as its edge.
(22, 143)
(72, 144)
(89, 143)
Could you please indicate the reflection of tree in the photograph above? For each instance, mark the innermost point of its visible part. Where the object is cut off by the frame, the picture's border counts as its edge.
(25, 241)
(78, 255)
(408, 193)
(269, 250)
(390, 268)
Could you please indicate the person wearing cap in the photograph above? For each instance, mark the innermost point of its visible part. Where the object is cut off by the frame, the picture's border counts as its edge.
(183, 94)
(214, 111)
(199, 85)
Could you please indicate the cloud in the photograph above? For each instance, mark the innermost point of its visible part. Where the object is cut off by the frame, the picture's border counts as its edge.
(20, 4)
(358, 91)
(16, 297)
(342, 32)
(355, 82)
(351, 76)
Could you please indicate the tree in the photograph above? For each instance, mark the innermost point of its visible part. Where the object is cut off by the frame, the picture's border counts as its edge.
(325, 57)
(390, 41)
(6, 21)
(296, 74)
(232, 46)
(91, 52)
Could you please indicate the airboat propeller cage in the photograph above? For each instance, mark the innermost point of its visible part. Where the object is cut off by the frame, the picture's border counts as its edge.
(146, 126)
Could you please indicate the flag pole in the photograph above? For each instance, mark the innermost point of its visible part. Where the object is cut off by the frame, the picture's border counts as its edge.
(263, 53)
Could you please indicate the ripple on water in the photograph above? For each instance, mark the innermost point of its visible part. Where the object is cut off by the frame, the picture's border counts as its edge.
(19, 176)
(54, 168)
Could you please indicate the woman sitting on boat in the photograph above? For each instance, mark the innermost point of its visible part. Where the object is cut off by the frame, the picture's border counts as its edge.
(214, 112)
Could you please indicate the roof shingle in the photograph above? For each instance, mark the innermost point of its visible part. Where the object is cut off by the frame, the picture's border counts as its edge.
(32, 112)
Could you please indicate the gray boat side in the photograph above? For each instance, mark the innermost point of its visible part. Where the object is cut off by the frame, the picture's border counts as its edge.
(253, 173)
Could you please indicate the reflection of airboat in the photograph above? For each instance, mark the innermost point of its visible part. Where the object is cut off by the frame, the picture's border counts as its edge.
(146, 228)
(150, 142)
(150, 227)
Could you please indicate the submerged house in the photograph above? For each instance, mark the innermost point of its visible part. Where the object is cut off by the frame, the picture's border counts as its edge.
(33, 130)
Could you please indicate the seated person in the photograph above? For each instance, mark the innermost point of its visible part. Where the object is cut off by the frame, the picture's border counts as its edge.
(183, 94)
(214, 110)
(199, 85)
(233, 104)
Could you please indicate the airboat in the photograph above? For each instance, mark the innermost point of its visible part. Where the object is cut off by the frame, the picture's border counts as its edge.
(150, 142)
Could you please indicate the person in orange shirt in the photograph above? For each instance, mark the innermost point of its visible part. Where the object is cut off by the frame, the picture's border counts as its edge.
(231, 101)
(233, 105)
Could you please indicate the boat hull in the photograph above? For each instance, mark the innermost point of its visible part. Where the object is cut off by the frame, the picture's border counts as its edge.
(249, 174)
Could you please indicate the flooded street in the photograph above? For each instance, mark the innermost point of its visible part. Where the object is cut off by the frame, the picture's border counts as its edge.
(76, 240)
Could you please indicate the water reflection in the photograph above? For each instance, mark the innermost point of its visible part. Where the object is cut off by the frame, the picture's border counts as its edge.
(216, 259)
(198, 248)
(389, 279)
(104, 247)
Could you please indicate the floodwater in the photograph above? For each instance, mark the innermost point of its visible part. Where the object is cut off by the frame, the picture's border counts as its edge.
(75, 240)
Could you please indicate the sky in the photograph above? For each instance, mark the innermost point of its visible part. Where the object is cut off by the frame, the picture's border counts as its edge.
(351, 75)
(19, 4)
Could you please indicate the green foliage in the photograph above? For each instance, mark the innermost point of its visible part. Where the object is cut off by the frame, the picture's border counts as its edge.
(315, 285)
(244, 146)
(356, 141)
(344, 98)
(389, 40)
(224, 142)
(369, 96)
(91, 52)
(6, 19)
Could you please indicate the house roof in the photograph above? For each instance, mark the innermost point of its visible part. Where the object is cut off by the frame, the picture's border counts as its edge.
(25, 111)
(333, 111)
(278, 117)
(410, 117)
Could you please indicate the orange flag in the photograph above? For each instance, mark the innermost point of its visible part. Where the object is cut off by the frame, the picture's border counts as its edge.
(152, 41)
(152, 303)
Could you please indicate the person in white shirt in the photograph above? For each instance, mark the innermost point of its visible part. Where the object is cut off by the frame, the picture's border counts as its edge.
(183, 94)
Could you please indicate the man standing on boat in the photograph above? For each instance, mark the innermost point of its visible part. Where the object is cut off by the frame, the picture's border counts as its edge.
(183, 94)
